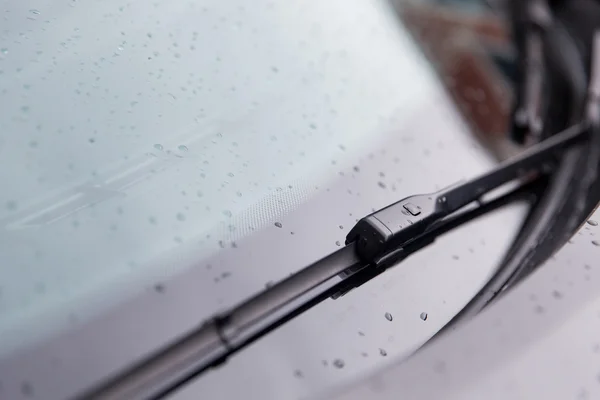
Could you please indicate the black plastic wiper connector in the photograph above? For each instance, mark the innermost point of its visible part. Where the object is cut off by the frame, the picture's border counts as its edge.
(385, 232)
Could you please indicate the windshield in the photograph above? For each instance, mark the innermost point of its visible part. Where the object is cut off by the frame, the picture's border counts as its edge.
(140, 138)
(138, 129)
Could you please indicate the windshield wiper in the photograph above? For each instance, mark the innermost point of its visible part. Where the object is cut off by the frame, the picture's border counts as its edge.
(377, 242)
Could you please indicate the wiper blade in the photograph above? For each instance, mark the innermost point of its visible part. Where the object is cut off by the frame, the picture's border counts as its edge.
(377, 242)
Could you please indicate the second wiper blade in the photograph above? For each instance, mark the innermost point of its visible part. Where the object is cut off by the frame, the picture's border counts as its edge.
(376, 242)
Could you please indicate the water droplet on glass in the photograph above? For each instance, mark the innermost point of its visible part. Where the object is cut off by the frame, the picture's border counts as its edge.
(423, 316)
(182, 147)
(383, 352)
(11, 205)
(298, 374)
(159, 288)
(27, 389)
(4, 51)
(592, 222)
(388, 316)
(34, 11)
(538, 309)
(227, 213)
(338, 363)
(440, 367)
(278, 224)
(180, 217)
(159, 146)
(381, 185)
(337, 243)
(230, 174)
(596, 242)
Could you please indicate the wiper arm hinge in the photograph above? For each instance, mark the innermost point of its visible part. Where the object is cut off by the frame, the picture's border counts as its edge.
(406, 221)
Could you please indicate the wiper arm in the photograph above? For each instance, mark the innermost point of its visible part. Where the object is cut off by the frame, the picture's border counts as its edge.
(382, 234)
(377, 242)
